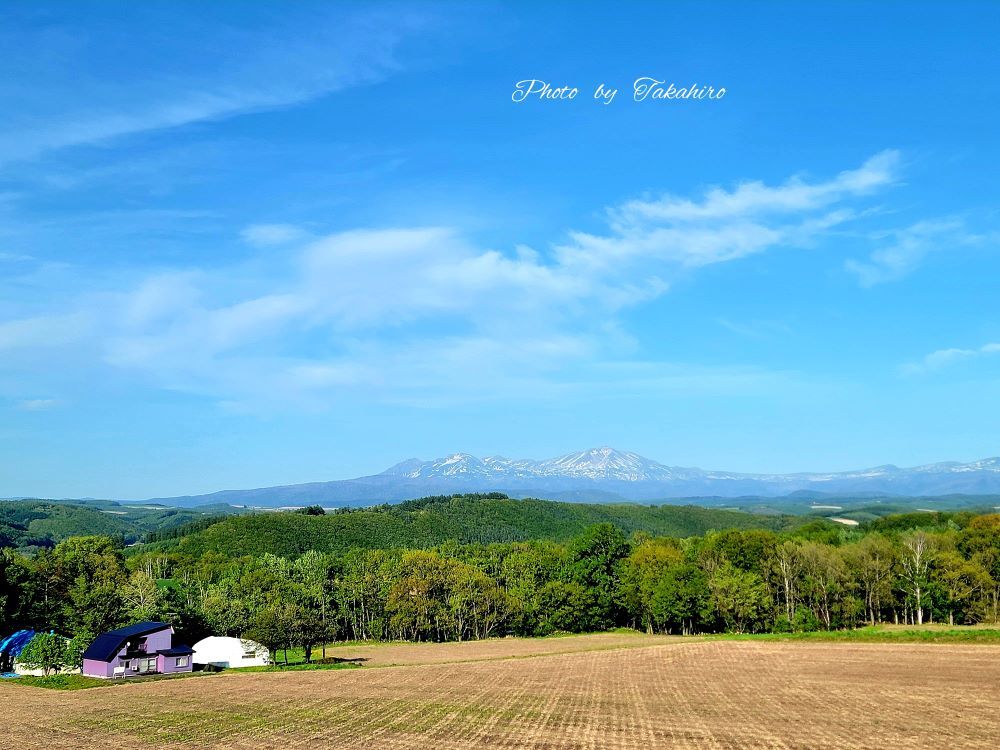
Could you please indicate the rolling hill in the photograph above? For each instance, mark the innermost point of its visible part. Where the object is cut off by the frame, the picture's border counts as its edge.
(464, 519)
(36, 524)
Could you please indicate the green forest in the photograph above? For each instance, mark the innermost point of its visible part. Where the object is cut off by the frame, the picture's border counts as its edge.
(424, 575)
(478, 518)
(29, 525)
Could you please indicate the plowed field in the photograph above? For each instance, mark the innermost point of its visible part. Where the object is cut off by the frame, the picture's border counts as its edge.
(640, 694)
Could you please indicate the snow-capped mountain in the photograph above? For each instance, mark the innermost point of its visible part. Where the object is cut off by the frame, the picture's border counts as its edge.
(607, 474)
(595, 464)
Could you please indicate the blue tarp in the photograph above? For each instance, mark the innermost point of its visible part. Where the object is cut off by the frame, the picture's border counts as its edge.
(12, 646)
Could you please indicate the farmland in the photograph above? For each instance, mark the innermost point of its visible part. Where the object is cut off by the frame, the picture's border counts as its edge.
(610, 690)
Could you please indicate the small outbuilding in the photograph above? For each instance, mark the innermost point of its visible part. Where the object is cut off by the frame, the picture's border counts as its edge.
(226, 653)
(141, 649)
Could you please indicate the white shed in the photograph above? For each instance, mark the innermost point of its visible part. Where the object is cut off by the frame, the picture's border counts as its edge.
(219, 651)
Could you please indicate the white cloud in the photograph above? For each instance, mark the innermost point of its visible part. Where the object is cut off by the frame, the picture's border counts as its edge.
(757, 199)
(945, 357)
(903, 250)
(725, 225)
(423, 314)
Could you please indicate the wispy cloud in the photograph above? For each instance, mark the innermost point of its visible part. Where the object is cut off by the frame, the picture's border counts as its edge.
(945, 357)
(903, 250)
(424, 315)
(294, 59)
(754, 198)
(725, 225)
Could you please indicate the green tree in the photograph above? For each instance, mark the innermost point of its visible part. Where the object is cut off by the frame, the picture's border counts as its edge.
(681, 601)
(872, 562)
(915, 563)
(739, 597)
(141, 597)
(478, 605)
(980, 542)
(750, 550)
(641, 573)
(962, 583)
(823, 576)
(311, 572)
(418, 603)
(568, 606)
(309, 629)
(94, 606)
(226, 610)
(75, 646)
(15, 589)
(362, 592)
(46, 651)
(524, 571)
(788, 565)
(274, 627)
(595, 562)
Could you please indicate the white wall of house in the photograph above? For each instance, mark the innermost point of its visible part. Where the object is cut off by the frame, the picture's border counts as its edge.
(220, 651)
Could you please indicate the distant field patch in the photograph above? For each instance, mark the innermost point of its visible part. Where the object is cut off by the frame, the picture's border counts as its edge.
(844, 521)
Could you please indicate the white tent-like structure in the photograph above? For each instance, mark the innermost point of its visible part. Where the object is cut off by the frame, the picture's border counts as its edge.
(219, 651)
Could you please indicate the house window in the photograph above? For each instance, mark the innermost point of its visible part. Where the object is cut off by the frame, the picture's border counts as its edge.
(147, 665)
(182, 661)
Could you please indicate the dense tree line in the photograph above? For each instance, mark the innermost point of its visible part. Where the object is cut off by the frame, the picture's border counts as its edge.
(740, 580)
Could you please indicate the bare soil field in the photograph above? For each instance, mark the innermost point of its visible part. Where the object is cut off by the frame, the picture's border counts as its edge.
(401, 654)
(674, 694)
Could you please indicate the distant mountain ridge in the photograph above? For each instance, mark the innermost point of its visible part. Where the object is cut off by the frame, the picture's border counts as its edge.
(596, 464)
(604, 474)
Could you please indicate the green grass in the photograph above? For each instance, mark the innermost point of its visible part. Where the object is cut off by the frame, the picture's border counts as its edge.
(295, 667)
(60, 682)
(880, 634)
(82, 682)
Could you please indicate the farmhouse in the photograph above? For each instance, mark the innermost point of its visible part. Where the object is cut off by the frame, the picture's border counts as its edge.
(216, 651)
(140, 649)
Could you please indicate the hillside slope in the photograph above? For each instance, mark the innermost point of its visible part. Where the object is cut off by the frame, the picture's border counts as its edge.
(35, 524)
(464, 518)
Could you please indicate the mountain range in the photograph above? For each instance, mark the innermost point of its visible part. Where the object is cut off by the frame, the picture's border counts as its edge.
(603, 474)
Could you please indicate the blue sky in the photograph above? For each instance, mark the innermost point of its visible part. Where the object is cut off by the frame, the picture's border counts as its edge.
(254, 244)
